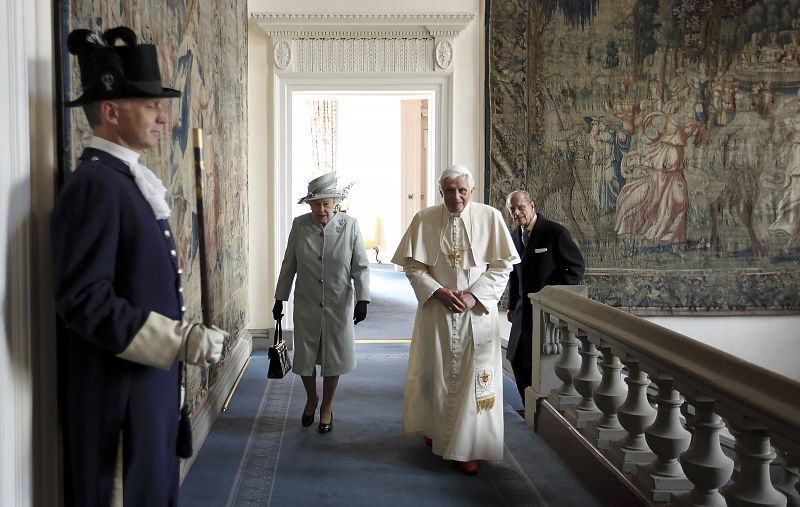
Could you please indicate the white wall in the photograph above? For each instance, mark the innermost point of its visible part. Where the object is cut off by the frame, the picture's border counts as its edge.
(16, 379)
(29, 461)
(770, 342)
(259, 147)
(467, 120)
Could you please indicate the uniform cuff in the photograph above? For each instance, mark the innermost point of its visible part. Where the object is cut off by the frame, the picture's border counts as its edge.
(156, 344)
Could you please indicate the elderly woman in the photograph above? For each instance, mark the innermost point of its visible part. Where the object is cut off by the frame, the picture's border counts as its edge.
(326, 252)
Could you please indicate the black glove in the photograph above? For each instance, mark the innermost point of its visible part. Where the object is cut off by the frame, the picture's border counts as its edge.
(277, 310)
(360, 313)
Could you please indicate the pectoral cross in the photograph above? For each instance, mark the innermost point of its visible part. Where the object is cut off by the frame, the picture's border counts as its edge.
(454, 256)
(455, 250)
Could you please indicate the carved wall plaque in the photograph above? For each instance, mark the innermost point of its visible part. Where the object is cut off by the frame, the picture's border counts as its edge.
(444, 54)
(282, 54)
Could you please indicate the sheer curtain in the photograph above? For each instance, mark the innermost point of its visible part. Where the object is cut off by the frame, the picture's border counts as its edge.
(324, 134)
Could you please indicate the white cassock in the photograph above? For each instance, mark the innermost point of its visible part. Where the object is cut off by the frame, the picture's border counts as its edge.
(454, 388)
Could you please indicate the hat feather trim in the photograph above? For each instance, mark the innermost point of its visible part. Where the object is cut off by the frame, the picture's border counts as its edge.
(83, 40)
(124, 33)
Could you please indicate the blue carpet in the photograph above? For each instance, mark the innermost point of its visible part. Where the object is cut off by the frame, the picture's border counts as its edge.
(390, 315)
(258, 454)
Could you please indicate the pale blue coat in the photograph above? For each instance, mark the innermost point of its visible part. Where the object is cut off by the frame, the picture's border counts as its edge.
(332, 272)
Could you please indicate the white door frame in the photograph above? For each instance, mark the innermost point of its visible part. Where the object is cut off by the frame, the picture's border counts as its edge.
(438, 85)
(365, 53)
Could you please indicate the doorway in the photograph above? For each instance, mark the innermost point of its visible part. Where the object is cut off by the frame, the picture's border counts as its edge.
(378, 145)
(290, 178)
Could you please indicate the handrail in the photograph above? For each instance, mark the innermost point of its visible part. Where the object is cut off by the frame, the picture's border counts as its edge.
(745, 393)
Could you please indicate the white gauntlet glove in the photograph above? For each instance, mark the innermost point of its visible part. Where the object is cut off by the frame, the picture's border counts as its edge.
(203, 345)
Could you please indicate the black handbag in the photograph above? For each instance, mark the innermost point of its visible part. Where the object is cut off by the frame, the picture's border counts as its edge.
(279, 363)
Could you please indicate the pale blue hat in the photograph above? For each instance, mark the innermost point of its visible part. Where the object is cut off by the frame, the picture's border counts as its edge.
(325, 187)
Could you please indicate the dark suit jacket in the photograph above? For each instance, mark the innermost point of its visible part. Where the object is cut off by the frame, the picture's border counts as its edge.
(113, 263)
(551, 257)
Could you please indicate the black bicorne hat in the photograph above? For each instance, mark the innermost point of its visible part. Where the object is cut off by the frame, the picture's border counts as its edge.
(110, 71)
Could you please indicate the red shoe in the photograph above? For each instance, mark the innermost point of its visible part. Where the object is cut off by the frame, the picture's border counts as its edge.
(467, 467)
(428, 441)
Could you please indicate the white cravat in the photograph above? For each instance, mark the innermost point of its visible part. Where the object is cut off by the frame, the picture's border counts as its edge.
(149, 184)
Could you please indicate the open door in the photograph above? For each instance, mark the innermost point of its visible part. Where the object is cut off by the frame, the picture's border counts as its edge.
(413, 158)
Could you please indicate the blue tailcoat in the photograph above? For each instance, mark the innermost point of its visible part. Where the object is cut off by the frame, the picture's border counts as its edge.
(113, 263)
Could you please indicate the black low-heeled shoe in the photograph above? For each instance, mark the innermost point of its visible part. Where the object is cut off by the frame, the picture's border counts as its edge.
(326, 428)
(308, 420)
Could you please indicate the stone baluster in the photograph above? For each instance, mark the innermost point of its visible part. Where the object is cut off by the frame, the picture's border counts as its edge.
(608, 396)
(789, 483)
(635, 414)
(586, 380)
(567, 364)
(752, 486)
(552, 338)
(704, 464)
(667, 438)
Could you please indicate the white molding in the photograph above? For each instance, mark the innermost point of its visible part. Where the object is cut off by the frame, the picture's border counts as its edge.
(363, 43)
(206, 413)
(444, 54)
(16, 376)
(354, 55)
(365, 25)
(42, 141)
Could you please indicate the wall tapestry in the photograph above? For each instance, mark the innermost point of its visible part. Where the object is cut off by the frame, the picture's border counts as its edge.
(203, 53)
(665, 135)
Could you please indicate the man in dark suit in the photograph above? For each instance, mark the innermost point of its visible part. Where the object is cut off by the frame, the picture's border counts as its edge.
(118, 292)
(549, 257)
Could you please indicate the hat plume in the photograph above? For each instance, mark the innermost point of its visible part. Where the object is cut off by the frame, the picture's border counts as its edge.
(82, 40)
(123, 33)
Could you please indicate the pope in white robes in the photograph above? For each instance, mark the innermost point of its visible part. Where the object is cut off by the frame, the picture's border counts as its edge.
(457, 256)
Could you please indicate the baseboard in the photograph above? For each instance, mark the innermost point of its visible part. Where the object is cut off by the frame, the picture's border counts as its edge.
(205, 415)
(263, 338)
(594, 470)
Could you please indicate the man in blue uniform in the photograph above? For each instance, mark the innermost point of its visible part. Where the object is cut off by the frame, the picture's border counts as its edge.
(118, 290)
